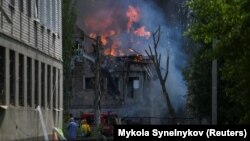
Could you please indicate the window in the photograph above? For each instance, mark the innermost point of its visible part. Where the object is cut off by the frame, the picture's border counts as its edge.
(48, 85)
(2, 76)
(12, 77)
(21, 80)
(21, 5)
(132, 86)
(43, 85)
(29, 81)
(89, 83)
(36, 8)
(12, 2)
(36, 82)
(29, 8)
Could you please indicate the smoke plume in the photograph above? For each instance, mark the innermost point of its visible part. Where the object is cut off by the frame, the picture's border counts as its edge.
(125, 24)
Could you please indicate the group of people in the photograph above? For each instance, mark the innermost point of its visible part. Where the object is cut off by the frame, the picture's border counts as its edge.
(73, 128)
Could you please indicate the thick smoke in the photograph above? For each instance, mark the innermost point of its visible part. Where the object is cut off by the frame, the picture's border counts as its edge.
(98, 16)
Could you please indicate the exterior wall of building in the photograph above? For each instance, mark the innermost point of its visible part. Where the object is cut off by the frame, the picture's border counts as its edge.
(83, 99)
(31, 39)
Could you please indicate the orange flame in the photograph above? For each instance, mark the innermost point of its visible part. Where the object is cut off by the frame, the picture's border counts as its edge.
(114, 50)
(142, 32)
(106, 26)
(133, 16)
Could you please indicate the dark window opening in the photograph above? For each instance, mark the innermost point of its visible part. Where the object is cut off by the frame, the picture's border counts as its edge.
(21, 80)
(21, 5)
(36, 82)
(2, 76)
(29, 8)
(12, 2)
(48, 85)
(132, 86)
(12, 5)
(43, 85)
(29, 81)
(89, 83)
(54, 87)
(12, 77)
(36, 12)
(59, 94)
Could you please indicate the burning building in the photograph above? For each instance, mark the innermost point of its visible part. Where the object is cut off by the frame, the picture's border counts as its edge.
(126, 71)
(126, 78)
(125, 29)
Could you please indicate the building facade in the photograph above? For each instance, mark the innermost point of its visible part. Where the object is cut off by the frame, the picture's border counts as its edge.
(31, 68)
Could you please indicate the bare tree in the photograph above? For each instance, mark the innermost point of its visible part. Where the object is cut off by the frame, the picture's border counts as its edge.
(99, 79)
(98, 82)
(156, 59)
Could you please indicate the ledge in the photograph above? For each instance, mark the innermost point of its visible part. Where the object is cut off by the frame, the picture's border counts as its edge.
(5, 107)
(58, 110)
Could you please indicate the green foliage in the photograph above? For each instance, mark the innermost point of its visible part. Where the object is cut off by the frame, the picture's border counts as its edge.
(199, 93)
(68, 25)
(225, 24)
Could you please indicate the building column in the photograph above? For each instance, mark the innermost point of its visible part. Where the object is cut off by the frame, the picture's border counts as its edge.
(7, 76)
(17, 78)
(25, 80)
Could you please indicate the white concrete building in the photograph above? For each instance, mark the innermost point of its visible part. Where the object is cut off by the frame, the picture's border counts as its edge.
(31, 68)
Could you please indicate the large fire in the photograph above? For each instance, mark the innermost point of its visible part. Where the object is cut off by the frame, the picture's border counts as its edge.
(118, 31)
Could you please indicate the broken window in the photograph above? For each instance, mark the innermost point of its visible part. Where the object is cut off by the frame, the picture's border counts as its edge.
(89, 83)
(48, 85)
(12, 77)
(43, 85)
(29, 81)
(36, 82)
(133, 84)
(2, 76)
(21, 80)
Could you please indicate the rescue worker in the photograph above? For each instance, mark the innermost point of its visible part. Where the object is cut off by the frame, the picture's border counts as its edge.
(72, 129)
(85, 128)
